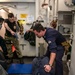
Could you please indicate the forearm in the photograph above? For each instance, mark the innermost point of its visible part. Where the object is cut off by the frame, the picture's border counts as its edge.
(49, 66)
(7, 27)
(52, 58)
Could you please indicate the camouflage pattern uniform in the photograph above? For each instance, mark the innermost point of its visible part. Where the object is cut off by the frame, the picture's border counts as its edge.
(13, 39)
(14, 42)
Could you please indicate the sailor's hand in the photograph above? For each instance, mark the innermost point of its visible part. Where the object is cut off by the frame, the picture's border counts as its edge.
(47, 68)
(12, 32)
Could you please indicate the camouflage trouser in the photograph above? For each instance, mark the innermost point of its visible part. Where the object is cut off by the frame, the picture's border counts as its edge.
(9, 47)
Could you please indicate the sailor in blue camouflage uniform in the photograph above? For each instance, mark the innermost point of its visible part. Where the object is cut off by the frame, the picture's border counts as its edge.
(56, 46)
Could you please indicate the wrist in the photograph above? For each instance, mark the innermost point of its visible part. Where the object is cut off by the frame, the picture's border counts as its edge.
(50, 65)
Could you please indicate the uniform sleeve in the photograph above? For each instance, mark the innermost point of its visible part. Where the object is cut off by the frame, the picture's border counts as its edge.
(52, 44)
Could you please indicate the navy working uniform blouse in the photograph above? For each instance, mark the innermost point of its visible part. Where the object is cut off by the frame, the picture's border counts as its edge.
(54, 39)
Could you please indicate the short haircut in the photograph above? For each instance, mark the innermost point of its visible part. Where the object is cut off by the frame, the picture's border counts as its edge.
(38, 27)
(10, 15)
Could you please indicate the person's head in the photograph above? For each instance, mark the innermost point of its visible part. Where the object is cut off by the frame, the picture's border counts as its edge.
(1, 22)
(11, 17)
(39, 30)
